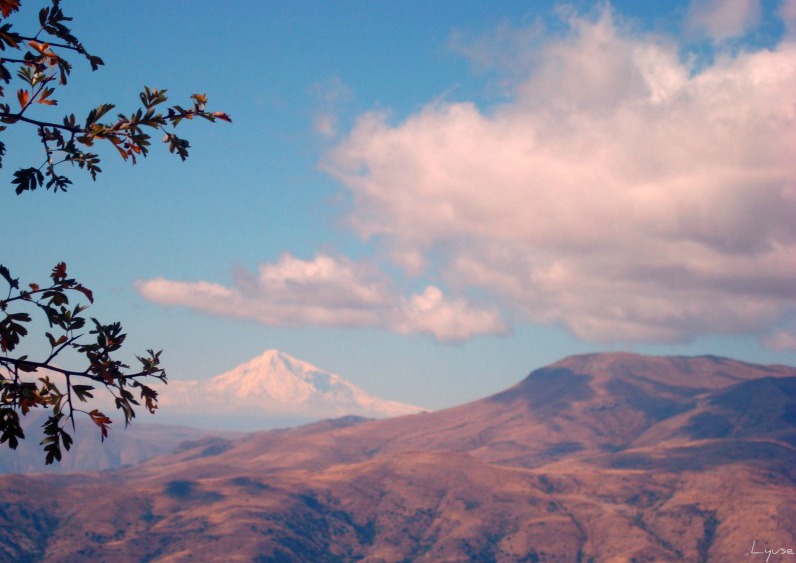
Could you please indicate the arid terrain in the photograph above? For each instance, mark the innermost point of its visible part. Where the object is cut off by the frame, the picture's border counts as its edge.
(605, 457)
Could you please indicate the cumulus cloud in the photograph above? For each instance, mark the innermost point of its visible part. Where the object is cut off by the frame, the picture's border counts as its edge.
(617, 193)
(327, 291)
(449, 320)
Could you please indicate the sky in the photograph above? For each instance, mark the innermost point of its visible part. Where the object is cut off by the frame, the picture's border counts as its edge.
(433, 199)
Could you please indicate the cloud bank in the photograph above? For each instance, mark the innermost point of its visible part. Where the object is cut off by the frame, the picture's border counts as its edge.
(327, 291)
(618, 193)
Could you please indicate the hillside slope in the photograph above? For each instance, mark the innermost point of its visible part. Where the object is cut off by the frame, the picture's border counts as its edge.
(595, 458)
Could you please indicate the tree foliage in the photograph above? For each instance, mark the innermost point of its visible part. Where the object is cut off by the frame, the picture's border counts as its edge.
(41, 69)
(32, 69)
(62, 303)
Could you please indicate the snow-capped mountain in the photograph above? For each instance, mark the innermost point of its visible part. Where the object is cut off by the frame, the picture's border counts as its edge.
(270, 390)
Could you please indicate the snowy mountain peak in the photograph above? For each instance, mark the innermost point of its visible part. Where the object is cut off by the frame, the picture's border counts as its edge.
(275, 383)
(278, 376)
(287, 365)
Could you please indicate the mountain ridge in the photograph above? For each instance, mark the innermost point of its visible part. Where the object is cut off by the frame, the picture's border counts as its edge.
(600, 458)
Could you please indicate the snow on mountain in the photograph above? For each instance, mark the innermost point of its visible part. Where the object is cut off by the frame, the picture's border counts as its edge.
(270, 388)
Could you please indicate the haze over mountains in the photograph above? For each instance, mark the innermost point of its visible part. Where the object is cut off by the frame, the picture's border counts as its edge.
(606, 457)
(272, 390)
(123, 446)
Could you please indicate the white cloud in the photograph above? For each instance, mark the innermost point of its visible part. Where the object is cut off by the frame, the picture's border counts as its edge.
(723, 19)
(327, 291)
(617, 194)
(454, 320)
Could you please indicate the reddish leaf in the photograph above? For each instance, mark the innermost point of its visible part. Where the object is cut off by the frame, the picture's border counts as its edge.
(59, 272)
(85, 291)
(102, 421)
(8, 6)
(43, 48)
(45, 95)
(22, 96)
(122, 152)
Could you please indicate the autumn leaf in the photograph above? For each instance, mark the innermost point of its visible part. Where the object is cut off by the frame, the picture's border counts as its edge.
(40, 47)
(85, 291)
(59, 271)
(122, 152)
(44, 50)
(22, 96)
(45, 95)
(102, 421)
(8, 6)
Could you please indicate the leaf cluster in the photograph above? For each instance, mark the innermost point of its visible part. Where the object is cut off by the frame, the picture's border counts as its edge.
(33, 69)
(27, 383)
(37, 66)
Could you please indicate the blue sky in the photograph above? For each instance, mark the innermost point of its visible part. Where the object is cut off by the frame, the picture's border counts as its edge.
(433, 198)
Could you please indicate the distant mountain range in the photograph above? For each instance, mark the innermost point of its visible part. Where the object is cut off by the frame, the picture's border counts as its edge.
(604, 457)
(123, 446)
(273, 390)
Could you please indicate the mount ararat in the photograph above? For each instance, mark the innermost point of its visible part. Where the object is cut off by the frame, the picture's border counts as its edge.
(272, 390)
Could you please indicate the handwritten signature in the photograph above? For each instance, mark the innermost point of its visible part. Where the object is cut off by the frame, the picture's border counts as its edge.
(769, 552)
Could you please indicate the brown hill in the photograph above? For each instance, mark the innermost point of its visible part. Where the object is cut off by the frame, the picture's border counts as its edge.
(607, 457)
